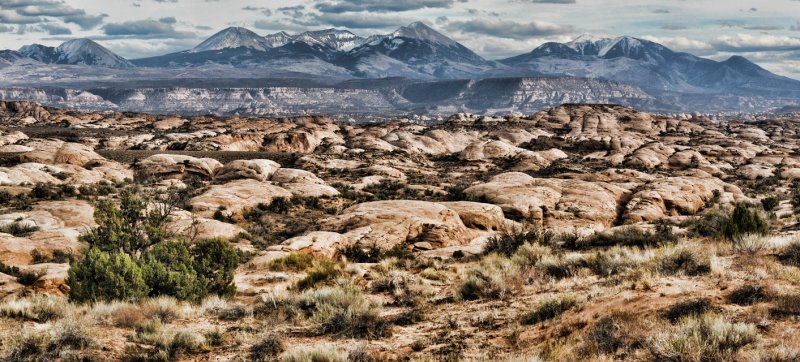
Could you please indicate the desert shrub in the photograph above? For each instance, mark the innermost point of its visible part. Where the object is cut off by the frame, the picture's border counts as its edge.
(626, 236)
(357, 253)
(46, 191)
(692, 307)
(790, 254)
(786, 305)
(749, 294)
(744, 220)
(344, 311)
(294, 262)
(102, 188)
(24, 277)
(215, 262)
(494, 278)
(387, 190)
(683, 260)
(318, 353)
(129, 227)
(62, 257)
(18, 229)
(102, 275)
(702, 338)
(508, 241)
(321, 271)
(548, 310)
(770, 203)
(267, 349)
(5, 197)
(30, 277)
(280, 205)
(168, 269)
(710, 224)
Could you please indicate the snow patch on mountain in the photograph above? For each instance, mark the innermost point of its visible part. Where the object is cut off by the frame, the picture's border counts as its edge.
(233, 37)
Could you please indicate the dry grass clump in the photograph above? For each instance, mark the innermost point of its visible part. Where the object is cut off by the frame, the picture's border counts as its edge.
(509, 241)
(39, 308)
(618, 334)
(701, 338)
(344, 311)
(267, 348)
(279, 307)
(293, 262)
(786, 305)
(528, 255)
(691, 307)
(749, 243)
(69, 333)
(790, 255)
(406, 288)
(549, 309)
(318, 353)
(321, 272)
(749, 294)
(626, 236)
(685, 259)
(167, 344)
(496, 277)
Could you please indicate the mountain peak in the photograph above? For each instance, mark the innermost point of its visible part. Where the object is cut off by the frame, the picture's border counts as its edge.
(341, 40)
(421, 31)
(233, 37)
(76, 52)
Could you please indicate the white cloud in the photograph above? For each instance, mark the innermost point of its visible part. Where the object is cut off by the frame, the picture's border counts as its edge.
(761, 42)
(679, 42)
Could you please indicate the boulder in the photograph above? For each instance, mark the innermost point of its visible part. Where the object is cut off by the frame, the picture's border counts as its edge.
(59, 152)
(320, 243)
(479, 216)
(177, 166)
(236, 196)
(199, 228)
(679, 195)
(260, 170)
(563, 204)
(385, 224)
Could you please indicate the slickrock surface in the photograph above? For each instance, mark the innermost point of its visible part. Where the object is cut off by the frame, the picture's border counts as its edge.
(441, 192)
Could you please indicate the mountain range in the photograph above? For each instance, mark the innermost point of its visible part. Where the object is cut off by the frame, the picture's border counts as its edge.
(412, 54)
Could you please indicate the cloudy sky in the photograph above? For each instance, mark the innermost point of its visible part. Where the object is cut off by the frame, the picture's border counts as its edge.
(766, 31)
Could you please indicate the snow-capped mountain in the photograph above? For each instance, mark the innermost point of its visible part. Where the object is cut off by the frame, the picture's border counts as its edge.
(278, 39)
(340, 40)
(11, 57)
(76, 52)
(420, 31)
(420, 55)
(649, 65)
(415, 51)
(231, 38)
